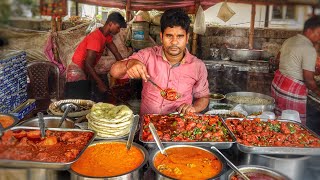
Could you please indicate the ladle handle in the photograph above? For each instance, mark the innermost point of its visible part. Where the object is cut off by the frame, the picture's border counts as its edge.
(132, 131)
(157, 139)
(1, 130)
(233, 167)
(156, 85)
(64, 115)
(41, 125)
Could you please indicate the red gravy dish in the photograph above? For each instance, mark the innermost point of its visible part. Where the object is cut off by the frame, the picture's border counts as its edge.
(57, 146)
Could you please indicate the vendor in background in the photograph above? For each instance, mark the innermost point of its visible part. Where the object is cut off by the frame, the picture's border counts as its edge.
(80, 73)
(295, 76)
(170, 66)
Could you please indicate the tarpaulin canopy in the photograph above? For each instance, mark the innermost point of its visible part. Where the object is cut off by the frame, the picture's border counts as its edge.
(188, 5)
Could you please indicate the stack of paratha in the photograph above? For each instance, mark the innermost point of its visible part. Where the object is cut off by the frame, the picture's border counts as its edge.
(110, 121)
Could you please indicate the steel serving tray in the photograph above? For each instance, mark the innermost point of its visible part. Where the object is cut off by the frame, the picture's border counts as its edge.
(44, 165)
(219, 145)
(280, 150)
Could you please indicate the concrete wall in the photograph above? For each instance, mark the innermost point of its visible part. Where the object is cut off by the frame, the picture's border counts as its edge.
(237, 37)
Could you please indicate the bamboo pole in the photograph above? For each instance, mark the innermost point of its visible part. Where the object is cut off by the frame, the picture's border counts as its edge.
(251, 30)
(194, 35)
(128, 12)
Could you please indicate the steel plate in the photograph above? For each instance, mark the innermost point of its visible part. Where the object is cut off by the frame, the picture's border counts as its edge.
(44, 165)
(219, 145)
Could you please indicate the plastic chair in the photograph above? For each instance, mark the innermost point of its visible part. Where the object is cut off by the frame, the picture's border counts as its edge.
(44, 81)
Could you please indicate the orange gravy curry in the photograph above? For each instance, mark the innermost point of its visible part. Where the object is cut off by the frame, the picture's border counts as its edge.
(188, 163)
(108, 159)
(6, 121)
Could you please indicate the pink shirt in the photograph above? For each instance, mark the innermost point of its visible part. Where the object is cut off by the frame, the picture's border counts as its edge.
(189, 78)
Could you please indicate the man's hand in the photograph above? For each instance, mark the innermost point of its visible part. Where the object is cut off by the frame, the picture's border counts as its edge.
(186, 108)
(137, 70)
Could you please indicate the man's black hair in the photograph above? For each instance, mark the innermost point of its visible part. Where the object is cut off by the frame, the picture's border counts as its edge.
(116, 17)
(175, 17)
(312, 23)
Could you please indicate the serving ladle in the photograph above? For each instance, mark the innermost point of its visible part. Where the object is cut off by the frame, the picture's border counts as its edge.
(233, 167)
(133, 130)
(41, 125)
(1, 130)
(157, 139)
(67, 107)
(163, 92)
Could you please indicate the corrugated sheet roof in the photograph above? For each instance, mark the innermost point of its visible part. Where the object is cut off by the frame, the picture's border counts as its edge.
(189, 5)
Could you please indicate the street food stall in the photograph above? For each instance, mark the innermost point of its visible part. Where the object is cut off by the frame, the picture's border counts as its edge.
(81, 139)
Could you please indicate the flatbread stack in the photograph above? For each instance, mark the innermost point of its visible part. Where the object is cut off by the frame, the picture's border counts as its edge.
(110, 121)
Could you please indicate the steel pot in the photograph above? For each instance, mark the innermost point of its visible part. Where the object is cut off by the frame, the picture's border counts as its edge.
(244, 54)
(293, 166)
(132, 175)
(257, 169)
(50, 121)
(251, 108)
(160, 176)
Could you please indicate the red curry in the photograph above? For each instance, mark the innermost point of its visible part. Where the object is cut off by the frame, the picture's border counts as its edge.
(188, 163)
(271, 133)
(6, 121)
(187, 127)
(58, 146)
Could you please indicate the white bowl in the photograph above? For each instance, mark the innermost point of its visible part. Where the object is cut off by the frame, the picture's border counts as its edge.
(289, 114)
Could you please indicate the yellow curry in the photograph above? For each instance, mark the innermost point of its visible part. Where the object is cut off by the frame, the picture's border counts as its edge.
(188, 163)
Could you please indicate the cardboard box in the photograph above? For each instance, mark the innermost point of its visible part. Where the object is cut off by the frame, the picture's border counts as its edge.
(24, 109)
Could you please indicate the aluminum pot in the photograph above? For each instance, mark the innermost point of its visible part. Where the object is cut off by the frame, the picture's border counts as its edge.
(160, 176)
(256, 169)
(244, 54)
(293, 166)
(50, 121)
(251, 108)
(132, 175)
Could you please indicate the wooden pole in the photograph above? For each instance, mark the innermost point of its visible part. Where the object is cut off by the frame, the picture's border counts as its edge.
(59, 23)
(128, 12)
(77, 8)
(266, 19)
(251, 31)
(194, 35)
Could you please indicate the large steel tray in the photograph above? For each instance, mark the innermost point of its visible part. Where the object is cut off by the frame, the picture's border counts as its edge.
(7, 163)
(219, 145)
(281, 150)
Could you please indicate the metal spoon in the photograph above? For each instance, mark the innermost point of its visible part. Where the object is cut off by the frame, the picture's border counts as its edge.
(162, 92)
(1, 130)
(41, 125)
(66, 107)
(132, 131)
(157, 139)
(233, 167)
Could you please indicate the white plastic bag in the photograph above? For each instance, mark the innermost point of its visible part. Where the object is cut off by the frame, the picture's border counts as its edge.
(225, 12)
(199, 23)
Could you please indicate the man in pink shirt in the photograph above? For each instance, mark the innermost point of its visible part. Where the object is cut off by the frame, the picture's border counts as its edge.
(170, 66)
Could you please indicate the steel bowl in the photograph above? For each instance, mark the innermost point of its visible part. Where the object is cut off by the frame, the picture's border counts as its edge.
(50, 121)
(251, 108)
(257, 169)
(161, 176)
(244, 54)
(292, 166)
(134, 174)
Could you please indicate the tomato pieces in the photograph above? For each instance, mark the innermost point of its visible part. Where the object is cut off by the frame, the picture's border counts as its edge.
(188, 127)
(271, 133)
(170, 94)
